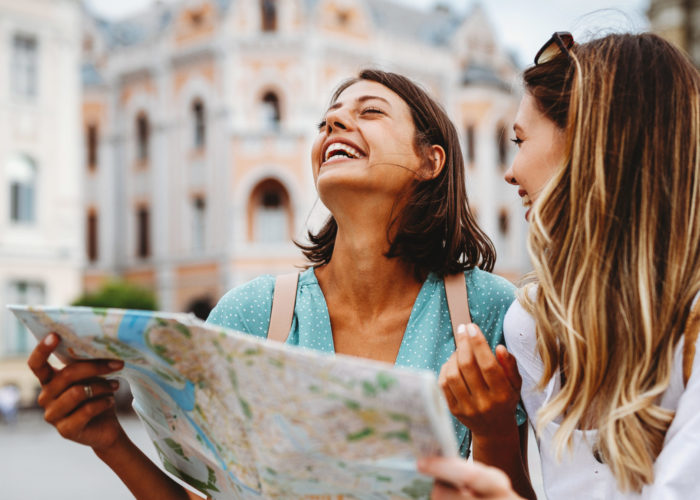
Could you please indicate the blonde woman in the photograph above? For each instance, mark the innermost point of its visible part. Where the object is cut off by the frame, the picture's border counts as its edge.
(609, 168)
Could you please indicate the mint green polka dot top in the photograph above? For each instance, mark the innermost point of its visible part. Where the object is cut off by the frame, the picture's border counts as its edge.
(427, 343)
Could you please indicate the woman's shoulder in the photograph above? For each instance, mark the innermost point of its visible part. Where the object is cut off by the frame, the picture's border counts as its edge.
(488, 289)
(246, 307)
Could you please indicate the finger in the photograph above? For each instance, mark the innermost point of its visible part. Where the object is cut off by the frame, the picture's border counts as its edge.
(444, 491)
(72, 426)
(510, 367)
(76, 395)
(468, 364)
(489, 368)
(38, 360)
(456, 391)
(76, 372)
(480, 479)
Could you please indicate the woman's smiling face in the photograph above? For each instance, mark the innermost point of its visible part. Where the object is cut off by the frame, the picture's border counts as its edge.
(541, 148)
(365, 144)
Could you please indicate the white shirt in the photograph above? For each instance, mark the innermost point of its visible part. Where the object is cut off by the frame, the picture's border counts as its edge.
(579, 475)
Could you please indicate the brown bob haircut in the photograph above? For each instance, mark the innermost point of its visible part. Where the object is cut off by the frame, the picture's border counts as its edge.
(434, 231)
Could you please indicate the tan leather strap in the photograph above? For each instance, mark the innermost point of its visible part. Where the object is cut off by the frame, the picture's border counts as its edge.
(283, 300)
(457, 300)
(690, 336)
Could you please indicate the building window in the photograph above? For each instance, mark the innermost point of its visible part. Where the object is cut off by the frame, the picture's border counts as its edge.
(198, 224)
(503, 221)
(143, 232)
(502, 144)
(471, 145)
(199, 124)
(91, 144)
(268, 14)
(269, 213)
(142, 136)
(18, 339)
(270, 111)
(23, 179)
(24, 66)
(92, 235)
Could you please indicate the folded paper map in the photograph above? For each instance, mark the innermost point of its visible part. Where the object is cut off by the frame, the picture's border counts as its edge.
(236, 416)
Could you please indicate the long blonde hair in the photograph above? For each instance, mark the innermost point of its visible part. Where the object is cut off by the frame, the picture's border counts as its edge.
(615, 242)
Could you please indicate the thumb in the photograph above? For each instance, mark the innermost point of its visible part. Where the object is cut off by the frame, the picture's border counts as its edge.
(510, 366)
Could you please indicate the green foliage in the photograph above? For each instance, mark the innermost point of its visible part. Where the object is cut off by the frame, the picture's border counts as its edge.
(119, 294)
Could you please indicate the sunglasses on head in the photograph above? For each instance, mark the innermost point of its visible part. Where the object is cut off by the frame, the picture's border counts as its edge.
(559, 43)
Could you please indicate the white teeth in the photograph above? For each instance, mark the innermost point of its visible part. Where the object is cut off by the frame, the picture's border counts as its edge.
(526, 201)
(339, 146)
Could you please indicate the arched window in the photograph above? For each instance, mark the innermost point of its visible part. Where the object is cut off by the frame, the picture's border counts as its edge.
(270, 111)
(199, 124)
(23, 179)
(268, 15)
(502, 145)
(142, 136)
(269, 213)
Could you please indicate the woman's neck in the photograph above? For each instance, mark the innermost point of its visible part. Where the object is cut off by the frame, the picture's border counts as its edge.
(361, 276)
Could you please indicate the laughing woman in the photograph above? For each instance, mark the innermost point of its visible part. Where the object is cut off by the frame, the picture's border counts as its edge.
(609, 161)
(387, 164)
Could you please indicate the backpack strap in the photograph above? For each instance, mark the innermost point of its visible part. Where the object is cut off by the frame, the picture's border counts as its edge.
(457, 300)
(690, 336)
(283, 300)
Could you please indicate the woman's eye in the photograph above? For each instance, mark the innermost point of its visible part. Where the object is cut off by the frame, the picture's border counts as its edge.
(321, 124)
(372, 110)
(517, 141)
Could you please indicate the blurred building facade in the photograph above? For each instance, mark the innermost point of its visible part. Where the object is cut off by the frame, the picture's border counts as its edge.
(679, 22)
(198, 119)
(41, 243)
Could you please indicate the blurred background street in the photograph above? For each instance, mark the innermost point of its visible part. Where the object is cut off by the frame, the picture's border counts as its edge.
(36, 463)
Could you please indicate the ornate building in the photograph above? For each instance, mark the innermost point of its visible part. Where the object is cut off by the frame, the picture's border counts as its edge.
(198, 118)
(41, 241)
(679, 22)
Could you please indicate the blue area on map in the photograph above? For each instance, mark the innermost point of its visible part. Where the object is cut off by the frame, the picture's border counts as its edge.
(132, 328)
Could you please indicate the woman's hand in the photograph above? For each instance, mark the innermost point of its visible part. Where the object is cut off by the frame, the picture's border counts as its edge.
(76, 399)
(456, 478)
(482, 390)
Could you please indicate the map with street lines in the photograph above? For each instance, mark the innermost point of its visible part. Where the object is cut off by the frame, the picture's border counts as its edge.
(236, 416)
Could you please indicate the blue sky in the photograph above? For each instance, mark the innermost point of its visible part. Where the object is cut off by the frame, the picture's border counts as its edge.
(523, 25)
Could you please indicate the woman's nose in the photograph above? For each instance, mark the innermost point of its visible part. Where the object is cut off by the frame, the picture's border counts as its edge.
(509, 177)
(337, 119)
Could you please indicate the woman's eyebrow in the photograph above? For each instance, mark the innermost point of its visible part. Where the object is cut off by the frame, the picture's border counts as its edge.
(360, 99)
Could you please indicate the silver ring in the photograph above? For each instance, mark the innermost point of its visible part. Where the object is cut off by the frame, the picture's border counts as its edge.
(88, 391)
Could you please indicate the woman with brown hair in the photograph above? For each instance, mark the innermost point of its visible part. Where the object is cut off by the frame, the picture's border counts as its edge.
(609, 168)
(387, 164)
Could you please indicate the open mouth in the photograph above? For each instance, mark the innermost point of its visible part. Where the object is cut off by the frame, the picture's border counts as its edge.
(527, 202)
(341, 151)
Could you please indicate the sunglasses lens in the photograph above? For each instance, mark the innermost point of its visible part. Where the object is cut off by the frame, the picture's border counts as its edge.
(561, 41)
(548, 53)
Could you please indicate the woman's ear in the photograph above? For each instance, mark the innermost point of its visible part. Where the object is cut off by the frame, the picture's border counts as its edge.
(436, 161)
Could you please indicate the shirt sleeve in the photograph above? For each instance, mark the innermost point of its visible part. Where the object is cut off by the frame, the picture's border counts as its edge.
(676, 467)
(246, 308)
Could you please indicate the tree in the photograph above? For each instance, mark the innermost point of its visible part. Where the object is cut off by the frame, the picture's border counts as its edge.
(119, 294)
